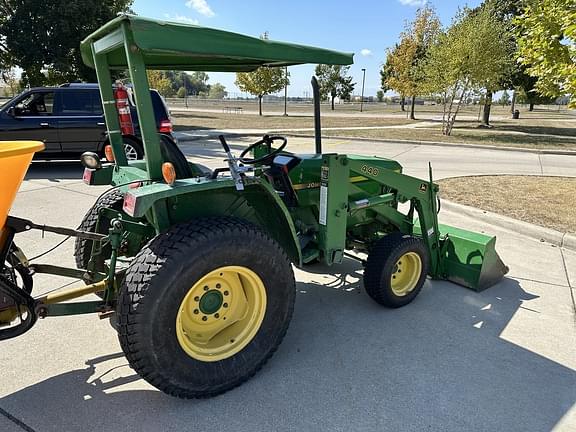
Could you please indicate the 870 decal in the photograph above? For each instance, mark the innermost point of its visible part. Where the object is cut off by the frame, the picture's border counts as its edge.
(370, 170)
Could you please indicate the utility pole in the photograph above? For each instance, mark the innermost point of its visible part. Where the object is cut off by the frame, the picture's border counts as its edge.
(362, 97)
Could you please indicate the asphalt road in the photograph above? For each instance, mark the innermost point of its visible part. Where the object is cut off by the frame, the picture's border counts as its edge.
(453, 360)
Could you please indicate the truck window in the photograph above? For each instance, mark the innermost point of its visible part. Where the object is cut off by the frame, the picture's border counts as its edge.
(36, 104)
(80, 103)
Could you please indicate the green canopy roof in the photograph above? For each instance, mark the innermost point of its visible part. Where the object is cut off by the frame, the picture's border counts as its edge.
(169, 45)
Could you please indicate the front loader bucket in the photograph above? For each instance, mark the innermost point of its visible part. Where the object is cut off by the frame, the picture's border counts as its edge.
(15, 156)
(470, 259)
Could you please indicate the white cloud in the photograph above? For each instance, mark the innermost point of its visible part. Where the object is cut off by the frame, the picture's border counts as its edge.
(366, 52)
(201, 6)
(181, 18)
(412, 2)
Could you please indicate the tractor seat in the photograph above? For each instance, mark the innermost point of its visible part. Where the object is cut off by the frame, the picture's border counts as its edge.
(278, 177)
(172, 153)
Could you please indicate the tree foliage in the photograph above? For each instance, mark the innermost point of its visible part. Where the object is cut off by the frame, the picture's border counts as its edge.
(546, 34)
(472, 53)
(334, 81)
(217, 91)
(402, 71)
(262, 81)
(43, 37)
(157, 80)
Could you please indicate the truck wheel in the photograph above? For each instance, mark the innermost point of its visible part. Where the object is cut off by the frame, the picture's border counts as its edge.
(133, 149)
(396, 269)
(204, 305)
(83, 247)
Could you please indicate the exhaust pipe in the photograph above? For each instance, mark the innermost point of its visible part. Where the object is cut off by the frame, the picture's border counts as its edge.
(317, 128)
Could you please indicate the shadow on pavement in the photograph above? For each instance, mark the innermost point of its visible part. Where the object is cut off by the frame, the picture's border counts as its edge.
(55, 170)
(346, 364)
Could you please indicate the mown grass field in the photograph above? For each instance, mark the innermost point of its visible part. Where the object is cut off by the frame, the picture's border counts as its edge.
(547, 127)
(544, 201)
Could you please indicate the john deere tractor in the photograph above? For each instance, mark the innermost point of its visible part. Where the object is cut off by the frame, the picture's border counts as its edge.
(195, 267)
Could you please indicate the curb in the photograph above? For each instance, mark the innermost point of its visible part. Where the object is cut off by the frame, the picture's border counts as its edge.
(397, 141)
(557, 238)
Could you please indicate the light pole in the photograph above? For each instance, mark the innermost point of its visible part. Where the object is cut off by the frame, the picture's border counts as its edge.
(362, 97)
(286, 90)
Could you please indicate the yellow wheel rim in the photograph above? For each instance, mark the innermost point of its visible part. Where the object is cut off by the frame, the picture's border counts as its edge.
(221, 313)
(406, 274)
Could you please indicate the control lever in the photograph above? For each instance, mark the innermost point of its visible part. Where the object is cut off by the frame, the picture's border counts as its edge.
(234, 169)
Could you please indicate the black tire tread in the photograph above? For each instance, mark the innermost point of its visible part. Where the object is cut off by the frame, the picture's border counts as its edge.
(382, 250)
(148, 265)
(83, 247)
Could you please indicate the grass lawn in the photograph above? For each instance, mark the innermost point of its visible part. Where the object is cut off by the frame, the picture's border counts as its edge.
(544, 128)
(544, 201)
(208, 120)
(467, 136)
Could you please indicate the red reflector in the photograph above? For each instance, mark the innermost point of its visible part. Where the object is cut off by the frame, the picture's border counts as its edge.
(134, 185)
(165, 126)
(87, 176)
(129, 204)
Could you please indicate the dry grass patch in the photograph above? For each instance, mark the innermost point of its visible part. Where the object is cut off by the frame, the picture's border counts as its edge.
(200, 120)
(546, 201)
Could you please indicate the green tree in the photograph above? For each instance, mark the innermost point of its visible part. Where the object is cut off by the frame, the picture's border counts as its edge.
(181, 93)
(504, 98)
(386, 72)
(406, 60)
(380, 95)
(334, 81)
(546, 34)
(263, 81)
(217, 91)
(471, 54)
(157, 80)
(43, 37)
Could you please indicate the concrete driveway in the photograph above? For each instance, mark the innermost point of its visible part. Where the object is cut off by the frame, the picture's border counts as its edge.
(453, 360)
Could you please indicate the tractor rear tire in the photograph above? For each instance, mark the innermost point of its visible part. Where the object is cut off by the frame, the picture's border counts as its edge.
(396, 270)
(180, 289)
(83, 247)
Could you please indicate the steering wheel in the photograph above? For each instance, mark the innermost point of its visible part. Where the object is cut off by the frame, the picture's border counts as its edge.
(268, 140)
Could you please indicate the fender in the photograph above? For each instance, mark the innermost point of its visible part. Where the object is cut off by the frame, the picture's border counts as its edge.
(164, 205)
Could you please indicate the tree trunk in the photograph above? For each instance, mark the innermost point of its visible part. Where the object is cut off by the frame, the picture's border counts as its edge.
(402, 102)
(412, 108)
(260, 105)
(333, 97)
(513, 104)
(487, 107)
(531, 106)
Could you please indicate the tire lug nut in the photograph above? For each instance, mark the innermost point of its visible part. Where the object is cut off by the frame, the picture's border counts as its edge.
(196, 298)
(204, 318)
(206, 288)
(226, 293)
(225, 305)
(216, 315)
(218, 286)
(196, 311)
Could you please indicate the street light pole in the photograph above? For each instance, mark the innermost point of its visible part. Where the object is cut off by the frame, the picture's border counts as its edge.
(362, 97)
(286, 91)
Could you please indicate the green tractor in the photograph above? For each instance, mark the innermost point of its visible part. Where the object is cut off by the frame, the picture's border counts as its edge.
(195, 267)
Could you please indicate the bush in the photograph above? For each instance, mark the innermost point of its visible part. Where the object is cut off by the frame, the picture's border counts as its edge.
(181, 93)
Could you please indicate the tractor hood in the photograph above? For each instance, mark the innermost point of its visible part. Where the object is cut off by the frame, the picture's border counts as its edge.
(170, 45)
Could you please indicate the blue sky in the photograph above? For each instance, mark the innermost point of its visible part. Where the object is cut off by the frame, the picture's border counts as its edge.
(364, 27)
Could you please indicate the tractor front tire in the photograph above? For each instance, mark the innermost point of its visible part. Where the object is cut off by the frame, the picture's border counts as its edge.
(204, 305)
(396, 270)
